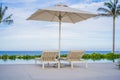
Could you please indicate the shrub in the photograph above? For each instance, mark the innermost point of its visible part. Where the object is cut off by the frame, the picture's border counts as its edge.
(5, 56)
(95, 56)
(63, 55)
(0, 57)
(86, 56)
(109, 56)
(12, 57)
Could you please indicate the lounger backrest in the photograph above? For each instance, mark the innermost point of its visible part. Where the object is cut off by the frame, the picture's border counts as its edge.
(75, 55)
(49, 55)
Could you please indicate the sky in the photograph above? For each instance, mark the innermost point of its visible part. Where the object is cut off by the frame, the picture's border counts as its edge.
(93, 34)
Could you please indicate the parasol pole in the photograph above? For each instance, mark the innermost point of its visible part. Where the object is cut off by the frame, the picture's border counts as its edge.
(59, 17)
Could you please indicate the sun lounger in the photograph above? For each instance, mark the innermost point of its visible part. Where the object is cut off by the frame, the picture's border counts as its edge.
(48, 57)
(75, 57)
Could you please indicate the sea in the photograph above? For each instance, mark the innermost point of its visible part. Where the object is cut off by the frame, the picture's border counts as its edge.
(40, 52)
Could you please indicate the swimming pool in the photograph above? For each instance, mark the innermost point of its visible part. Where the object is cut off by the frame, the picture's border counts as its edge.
(32, 61)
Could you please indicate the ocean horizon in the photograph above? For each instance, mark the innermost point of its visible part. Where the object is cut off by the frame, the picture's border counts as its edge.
(40, 52)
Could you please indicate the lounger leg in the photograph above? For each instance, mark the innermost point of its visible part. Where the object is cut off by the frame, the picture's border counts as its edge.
(48, 64)
(43, 65)
(71, 65)
(58, 65)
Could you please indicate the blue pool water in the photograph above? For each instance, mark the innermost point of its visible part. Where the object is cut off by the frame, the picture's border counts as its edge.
(32, 61)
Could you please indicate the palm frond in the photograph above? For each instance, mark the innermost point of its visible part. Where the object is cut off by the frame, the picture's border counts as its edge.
(7, 21)
(0, 8)
(4, 10)
(118, 12)
(116, 1)
(112, 2)
(104, 10)
(103, 14)
(9, 16)
(0, 12)
(4, 19)
(109, 5)
(118, 7)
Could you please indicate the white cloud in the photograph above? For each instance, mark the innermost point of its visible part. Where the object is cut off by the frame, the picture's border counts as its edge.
(91, 7)
(17, 1)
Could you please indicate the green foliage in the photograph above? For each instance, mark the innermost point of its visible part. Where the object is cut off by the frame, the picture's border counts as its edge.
(93, 56)
(112, 8)
(109, 56)
(19, 57)
(12, 57)
(4, 57)
(98, 56)
(26, 57)
(0, 57)
(63, 55)
(117, 56)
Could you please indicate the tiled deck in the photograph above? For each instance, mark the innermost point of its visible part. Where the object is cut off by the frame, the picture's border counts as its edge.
(95, 71)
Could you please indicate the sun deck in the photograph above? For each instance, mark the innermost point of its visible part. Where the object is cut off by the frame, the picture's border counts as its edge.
(95, 71)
